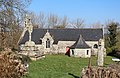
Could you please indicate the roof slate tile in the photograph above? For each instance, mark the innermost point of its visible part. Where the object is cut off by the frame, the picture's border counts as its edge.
(63, 35)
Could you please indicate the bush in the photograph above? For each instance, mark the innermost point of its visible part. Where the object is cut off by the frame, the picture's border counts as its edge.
(25, 59)
(1, 49)
(11, 66)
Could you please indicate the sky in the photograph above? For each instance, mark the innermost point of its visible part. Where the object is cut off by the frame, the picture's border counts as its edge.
(91, 11)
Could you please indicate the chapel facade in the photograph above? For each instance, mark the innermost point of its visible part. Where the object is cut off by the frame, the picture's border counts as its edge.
(74, 42)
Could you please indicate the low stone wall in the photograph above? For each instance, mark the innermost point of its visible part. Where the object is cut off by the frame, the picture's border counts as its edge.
(112, 71)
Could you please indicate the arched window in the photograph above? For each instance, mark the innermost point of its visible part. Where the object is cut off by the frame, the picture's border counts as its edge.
(95, 46)
(48, 43)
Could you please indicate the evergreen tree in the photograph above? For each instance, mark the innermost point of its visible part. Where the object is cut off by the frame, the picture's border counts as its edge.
(112, 40)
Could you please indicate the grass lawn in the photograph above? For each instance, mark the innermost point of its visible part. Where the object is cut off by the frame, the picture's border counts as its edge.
(60, 66)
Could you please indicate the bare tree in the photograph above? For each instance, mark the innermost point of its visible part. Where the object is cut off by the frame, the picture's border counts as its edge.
(63, 22)
(42, 20)
(53, 21)
(11, 13)
(78, 23)
(38, 20)
(34, 19)
(96, 25)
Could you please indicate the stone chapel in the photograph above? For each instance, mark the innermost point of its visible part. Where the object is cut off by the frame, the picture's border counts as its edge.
(73, 42)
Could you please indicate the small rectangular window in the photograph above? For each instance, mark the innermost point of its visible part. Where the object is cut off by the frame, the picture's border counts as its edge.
(87, 52)
(72, 52)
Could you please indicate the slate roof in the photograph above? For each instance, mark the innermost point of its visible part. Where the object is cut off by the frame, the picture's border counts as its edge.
(63, 35)
(80, 43)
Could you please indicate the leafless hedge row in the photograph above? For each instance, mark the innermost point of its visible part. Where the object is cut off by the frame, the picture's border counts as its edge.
(113, 71)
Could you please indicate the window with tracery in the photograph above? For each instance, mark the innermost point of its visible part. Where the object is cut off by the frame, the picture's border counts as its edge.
(48, 43)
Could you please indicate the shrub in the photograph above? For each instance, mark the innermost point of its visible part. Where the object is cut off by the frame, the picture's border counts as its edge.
(10, 65)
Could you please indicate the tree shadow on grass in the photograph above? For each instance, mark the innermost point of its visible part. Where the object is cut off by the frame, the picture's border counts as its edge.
(73, 75)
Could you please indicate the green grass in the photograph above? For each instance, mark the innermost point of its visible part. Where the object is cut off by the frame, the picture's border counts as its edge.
(60, 66)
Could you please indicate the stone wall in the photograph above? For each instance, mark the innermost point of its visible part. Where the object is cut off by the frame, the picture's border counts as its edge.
(63, 44)
(81, 53)
(60, 47)
(55, 48)
(91, 43)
